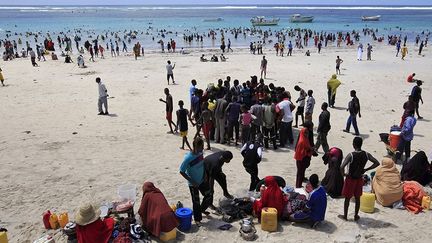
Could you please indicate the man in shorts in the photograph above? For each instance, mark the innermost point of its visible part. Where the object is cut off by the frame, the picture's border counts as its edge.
(338, 63)
(353, 185)
(169, 109)
(182, 124)
(170, 73)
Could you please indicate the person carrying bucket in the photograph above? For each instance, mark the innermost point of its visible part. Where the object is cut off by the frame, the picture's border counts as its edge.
(406, 136)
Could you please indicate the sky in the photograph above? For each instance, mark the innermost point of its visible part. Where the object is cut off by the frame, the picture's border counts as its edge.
(226, 2)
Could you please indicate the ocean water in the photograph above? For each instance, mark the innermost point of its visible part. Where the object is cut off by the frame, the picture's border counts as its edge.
(148, 20)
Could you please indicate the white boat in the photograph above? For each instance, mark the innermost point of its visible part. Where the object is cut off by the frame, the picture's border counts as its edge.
(213, 20)
(262, 21)
(371, 18)
(298, 18)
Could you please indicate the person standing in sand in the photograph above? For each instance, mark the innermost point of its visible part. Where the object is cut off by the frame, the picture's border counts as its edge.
(417, 96)
(338, 63)
(1, 77)
(354, 109)
(404, 52)
(369, 52)
(323, 128)
(264, 67)
(170, 73)
(182, 124)
(103, 97)
(169, 107)
(332, 86)
(353, 185)
(359, 52)
(192, 169)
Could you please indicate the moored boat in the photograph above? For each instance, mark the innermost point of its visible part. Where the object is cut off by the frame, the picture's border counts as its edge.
(371, 18)
(262, 21)
(298, 18)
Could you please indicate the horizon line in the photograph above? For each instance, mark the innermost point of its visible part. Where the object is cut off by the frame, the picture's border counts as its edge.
(212, 4)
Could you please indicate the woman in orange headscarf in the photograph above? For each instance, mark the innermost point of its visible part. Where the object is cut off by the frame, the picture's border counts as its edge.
(156, 215)
(303, 153)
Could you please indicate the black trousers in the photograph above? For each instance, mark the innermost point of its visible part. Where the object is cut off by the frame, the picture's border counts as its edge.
(255, 129)
(286, 133)
(220, 178)
(253, 171)
(199, 207)
(269, 134)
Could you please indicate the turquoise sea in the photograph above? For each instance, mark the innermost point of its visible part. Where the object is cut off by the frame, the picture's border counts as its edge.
(148, 20)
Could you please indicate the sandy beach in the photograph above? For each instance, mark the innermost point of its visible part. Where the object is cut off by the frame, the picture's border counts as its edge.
(56, 152)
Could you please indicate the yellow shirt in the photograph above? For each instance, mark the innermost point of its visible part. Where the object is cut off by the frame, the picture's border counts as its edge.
(404, 50)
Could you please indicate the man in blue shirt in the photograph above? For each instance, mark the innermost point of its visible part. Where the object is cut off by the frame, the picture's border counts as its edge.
(315, 207)
(406, 136)
(192, 169)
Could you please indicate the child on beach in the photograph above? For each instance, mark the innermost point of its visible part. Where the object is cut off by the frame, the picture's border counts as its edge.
(170, 73)
(205, 122)
(245, 121)
(169, 109)
(338, 63)
(182, 124)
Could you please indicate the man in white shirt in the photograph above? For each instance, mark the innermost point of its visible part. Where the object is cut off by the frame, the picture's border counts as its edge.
(103, 97)
(284, 108)
(170, 73)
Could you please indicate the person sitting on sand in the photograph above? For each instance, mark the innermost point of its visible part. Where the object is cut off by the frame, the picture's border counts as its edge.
(272, 197)
(80, 62)
(203, 59)
(214, 59)
(155, 212)
(307, 53)
(90, 227)
(54, 56)
(333, 180)
(387, 183)
(316, 206)
(68, 59)
(417, 169)
(353, 185)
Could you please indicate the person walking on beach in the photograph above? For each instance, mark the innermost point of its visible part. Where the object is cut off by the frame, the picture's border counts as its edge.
(264, 67)
(332, 86)
(369, 52)
(229, 46)
(354, 109)
(182, 124)
(353, 185)
(421, 48)
(323, 128)
(417, 96)
(169, 107)
(398, 47)
(404, 52)
(359, 52)
(338, 63)
(252, 155)
(103, 97)
(213, 170)
(192, 169)
(170, 73)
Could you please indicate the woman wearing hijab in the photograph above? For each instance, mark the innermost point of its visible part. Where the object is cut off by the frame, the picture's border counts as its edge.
(333, 180)
(272, 197)
(156, 215)
(90, 228)
(387, 183)
(417, 169)
(303, 153)
(332, 86)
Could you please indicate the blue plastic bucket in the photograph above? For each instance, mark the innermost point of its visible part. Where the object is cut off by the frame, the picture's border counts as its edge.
(185, 218)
